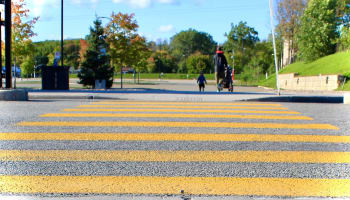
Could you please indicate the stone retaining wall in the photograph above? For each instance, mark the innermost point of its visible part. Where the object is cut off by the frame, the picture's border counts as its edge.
(322, 82)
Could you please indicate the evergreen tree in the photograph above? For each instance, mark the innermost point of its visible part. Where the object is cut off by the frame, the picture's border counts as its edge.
(96, 65)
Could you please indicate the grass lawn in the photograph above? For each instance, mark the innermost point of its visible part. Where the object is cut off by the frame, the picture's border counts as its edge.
(338, 63)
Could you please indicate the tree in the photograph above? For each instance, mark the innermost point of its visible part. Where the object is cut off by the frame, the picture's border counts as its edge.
(343, 12)
(96, 65)
(288, 15)
(72, 56)
(191, 41)
(197, 63)
(162, 61)
(142, 53)
(242, 40)
(121, 35)
(27, 66)
(21, 31)
(318, 31)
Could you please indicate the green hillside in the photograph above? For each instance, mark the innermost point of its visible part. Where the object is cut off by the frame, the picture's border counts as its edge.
(338, 63)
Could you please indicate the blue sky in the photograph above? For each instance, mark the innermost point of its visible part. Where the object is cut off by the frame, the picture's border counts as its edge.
(158, 19)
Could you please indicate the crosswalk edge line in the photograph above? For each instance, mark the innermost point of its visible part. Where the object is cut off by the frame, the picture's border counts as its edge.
(294, 187)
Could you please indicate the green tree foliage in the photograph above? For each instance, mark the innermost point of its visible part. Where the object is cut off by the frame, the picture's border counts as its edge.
(142, 53)
(318, 32)
(343, 12)
(161, 61)
(71, 54)
(21, 31)
(28, 66)
(96, 65)
(241, 40)
(44, 50)
(121, 31)
(264, 59)
(288, 15)
(344, 40)
(197, 63)
(191, 41)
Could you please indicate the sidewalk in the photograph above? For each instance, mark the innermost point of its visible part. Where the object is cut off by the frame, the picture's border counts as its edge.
(184, 90)
(189, 96)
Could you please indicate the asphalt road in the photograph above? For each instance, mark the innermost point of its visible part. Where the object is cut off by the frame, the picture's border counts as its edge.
(208, 150)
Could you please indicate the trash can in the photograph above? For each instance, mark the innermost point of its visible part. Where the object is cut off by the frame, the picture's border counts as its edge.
(55, 78)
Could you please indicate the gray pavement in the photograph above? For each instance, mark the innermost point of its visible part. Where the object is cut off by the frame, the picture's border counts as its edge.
(179, 90)
(42, 102)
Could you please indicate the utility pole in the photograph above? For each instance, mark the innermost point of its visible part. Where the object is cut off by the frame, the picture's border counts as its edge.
(8, 43)
(1, 24)
(62, 56)
(274, 47)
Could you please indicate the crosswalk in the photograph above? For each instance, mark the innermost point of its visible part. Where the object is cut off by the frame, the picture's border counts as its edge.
(170, 148)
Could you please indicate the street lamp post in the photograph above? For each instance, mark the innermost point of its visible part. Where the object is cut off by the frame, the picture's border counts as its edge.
(274, 47)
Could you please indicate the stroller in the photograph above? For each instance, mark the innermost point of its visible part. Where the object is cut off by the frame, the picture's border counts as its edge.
(228, 81)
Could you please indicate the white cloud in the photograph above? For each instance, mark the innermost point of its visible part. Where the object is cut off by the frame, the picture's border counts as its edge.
(146, 3)
(76, 1)
(42, 7)
(38, 6)
(166, 29)
(169, 1)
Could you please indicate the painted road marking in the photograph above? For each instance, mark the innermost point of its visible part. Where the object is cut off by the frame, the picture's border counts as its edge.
(183, 103)
(162, 115)
(176, 156)
(180, 111)
(179, 124)
(174, 106)
(295, 187)
(175, 137)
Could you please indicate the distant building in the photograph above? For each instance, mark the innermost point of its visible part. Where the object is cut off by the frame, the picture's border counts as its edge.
(289, 54)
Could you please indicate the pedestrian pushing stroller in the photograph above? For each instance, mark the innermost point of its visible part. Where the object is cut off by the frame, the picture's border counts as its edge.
(228, 80)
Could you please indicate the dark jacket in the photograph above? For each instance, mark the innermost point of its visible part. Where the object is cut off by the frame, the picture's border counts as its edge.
(220, 61)
(201, 80)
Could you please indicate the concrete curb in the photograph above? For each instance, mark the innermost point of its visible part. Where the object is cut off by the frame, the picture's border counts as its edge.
(188, 97)
(347, 98)
(302, 99)
(13, 95)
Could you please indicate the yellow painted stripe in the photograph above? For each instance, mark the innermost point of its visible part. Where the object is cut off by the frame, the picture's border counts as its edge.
(174, 106)
(180, 111)
(295, 187)
(176, 137)
(161, 115)
(179, 124)
(182, 103)
(176, 156)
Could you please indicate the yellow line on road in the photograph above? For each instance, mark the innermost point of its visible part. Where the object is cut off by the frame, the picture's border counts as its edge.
(182, 103)
(176, 156)
(162, 115)
(179, 111)
(178, 124)
(174, 106)
(295, 187)
(175, 137)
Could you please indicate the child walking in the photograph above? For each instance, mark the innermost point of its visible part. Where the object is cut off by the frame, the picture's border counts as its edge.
(201, 82)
